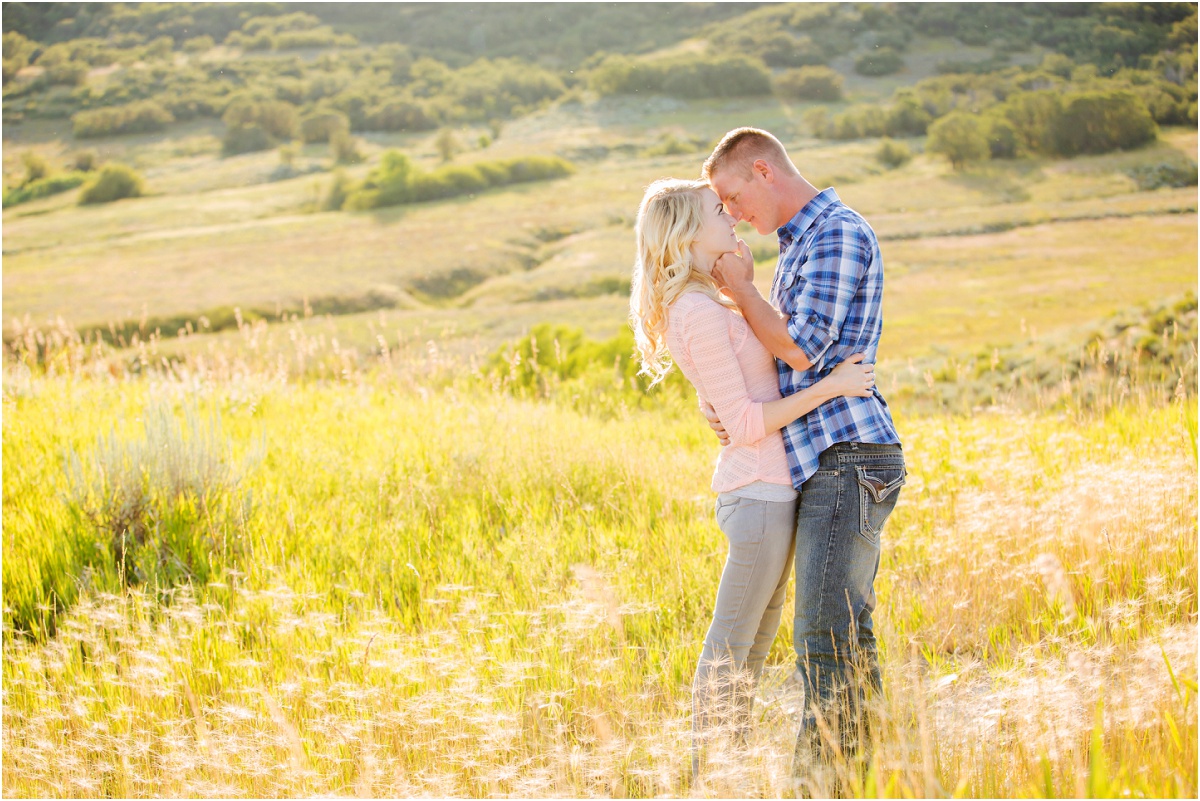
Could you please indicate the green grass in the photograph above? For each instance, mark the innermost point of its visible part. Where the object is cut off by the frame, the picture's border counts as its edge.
(458, 592)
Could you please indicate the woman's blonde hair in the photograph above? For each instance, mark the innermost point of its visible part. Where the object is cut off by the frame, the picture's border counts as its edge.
(668, 222)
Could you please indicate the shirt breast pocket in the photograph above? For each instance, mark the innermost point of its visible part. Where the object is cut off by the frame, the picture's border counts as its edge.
(789, 287)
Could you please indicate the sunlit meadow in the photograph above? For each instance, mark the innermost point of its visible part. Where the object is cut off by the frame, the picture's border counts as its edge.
(229, 576)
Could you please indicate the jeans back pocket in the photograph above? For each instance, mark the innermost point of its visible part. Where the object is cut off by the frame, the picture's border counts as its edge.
(878, 491)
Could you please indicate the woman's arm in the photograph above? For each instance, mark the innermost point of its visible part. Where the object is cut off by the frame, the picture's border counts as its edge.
(851, 377)
(706, 334)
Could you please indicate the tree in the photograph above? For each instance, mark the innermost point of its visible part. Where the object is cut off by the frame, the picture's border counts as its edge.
(960, 137)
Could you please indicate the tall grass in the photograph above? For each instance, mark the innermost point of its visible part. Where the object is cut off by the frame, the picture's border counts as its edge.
(445, 588)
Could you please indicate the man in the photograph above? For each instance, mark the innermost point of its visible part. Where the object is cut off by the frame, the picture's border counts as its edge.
(845, 456)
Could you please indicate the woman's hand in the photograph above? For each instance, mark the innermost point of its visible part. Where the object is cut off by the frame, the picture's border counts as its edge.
(852, 378)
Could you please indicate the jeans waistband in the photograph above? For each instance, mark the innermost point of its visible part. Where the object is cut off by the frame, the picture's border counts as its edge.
(831, 455)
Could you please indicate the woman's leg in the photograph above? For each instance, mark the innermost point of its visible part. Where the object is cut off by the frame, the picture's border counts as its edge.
(779, 516)
(746, 616)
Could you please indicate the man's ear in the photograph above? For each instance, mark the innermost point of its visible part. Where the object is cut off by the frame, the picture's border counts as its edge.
(763, 168)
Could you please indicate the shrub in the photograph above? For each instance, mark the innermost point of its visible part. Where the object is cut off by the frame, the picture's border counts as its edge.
(1174, 174)
(344, 148)
(401, 115)
(115, 182)
(396, 181)
(958, 136)
(150, 498)
(448, 181)
(669, 144)
(1100, 122)
(36, 166)
(240, 139)
(145, 116)
(45, 187)
(1003, 142)
(690, 76)
(320, 126)
(907, 117)
(810, 83)
(893, 154)
(276, 117)
(878, 62)
(84, 160)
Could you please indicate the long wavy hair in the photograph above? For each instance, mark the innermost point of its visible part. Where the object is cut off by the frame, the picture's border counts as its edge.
(668, 222)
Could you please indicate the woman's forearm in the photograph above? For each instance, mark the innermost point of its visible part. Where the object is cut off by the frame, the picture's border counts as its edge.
(777, 414)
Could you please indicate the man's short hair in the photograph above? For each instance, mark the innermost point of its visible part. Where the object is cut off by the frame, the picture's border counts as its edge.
(741, 147)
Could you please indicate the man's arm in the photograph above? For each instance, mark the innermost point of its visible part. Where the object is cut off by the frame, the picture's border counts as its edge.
(735, 271)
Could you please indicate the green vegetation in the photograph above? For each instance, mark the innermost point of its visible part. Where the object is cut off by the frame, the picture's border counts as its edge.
(375, 503)
(113, 182)
(141, 117)
(809, 83)
(43, 187)
(689, 76)
(893, 154)
(396, 181)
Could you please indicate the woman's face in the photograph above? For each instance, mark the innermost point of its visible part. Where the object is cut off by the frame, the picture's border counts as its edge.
(716, 234)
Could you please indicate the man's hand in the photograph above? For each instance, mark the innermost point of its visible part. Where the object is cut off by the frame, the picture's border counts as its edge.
(714, 422)
(734, 271)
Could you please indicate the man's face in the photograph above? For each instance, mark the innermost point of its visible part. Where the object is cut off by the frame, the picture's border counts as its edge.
(747, 200)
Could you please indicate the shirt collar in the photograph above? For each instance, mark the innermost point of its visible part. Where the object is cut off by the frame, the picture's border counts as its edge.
(795, 227)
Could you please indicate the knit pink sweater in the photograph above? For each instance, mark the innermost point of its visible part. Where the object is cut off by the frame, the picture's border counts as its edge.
(730, 368)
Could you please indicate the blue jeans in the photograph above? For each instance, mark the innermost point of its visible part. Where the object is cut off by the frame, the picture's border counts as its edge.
(842, 510)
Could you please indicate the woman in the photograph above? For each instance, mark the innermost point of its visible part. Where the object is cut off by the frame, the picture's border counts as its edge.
(678, 313)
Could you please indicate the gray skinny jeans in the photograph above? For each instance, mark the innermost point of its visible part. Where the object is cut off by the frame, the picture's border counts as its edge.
(750, 599)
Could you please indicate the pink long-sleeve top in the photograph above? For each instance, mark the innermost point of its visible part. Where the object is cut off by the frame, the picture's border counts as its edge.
(730, 368)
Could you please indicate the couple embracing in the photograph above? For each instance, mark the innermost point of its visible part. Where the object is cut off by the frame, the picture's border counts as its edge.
(811, 464)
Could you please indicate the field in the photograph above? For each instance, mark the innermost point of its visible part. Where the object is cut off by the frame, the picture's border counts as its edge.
(340, 547)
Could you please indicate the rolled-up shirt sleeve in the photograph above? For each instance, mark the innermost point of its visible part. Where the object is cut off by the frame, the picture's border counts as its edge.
(721, 382)
(832, 274)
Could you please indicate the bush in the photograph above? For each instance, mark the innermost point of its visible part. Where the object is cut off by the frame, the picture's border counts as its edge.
(691, 76)
(44, 187)
(396, 181)
(245, 139)
(36, 166)
(907, 117)
(958, 136)
(893, 154)
(159, 500)
(276, 117)
(320, 126)
(1003, 142)
(1100, 122)
(84, 160)
(810, 83)
(878, 62)
(401, 115)
(1174, 174)
(145, 116)
(115, 182)
(344, 148)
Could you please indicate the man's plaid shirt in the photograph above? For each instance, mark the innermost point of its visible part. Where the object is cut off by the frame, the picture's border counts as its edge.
(829, 284)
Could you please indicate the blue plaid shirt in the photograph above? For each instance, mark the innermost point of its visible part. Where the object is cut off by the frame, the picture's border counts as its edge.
(829, 284)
